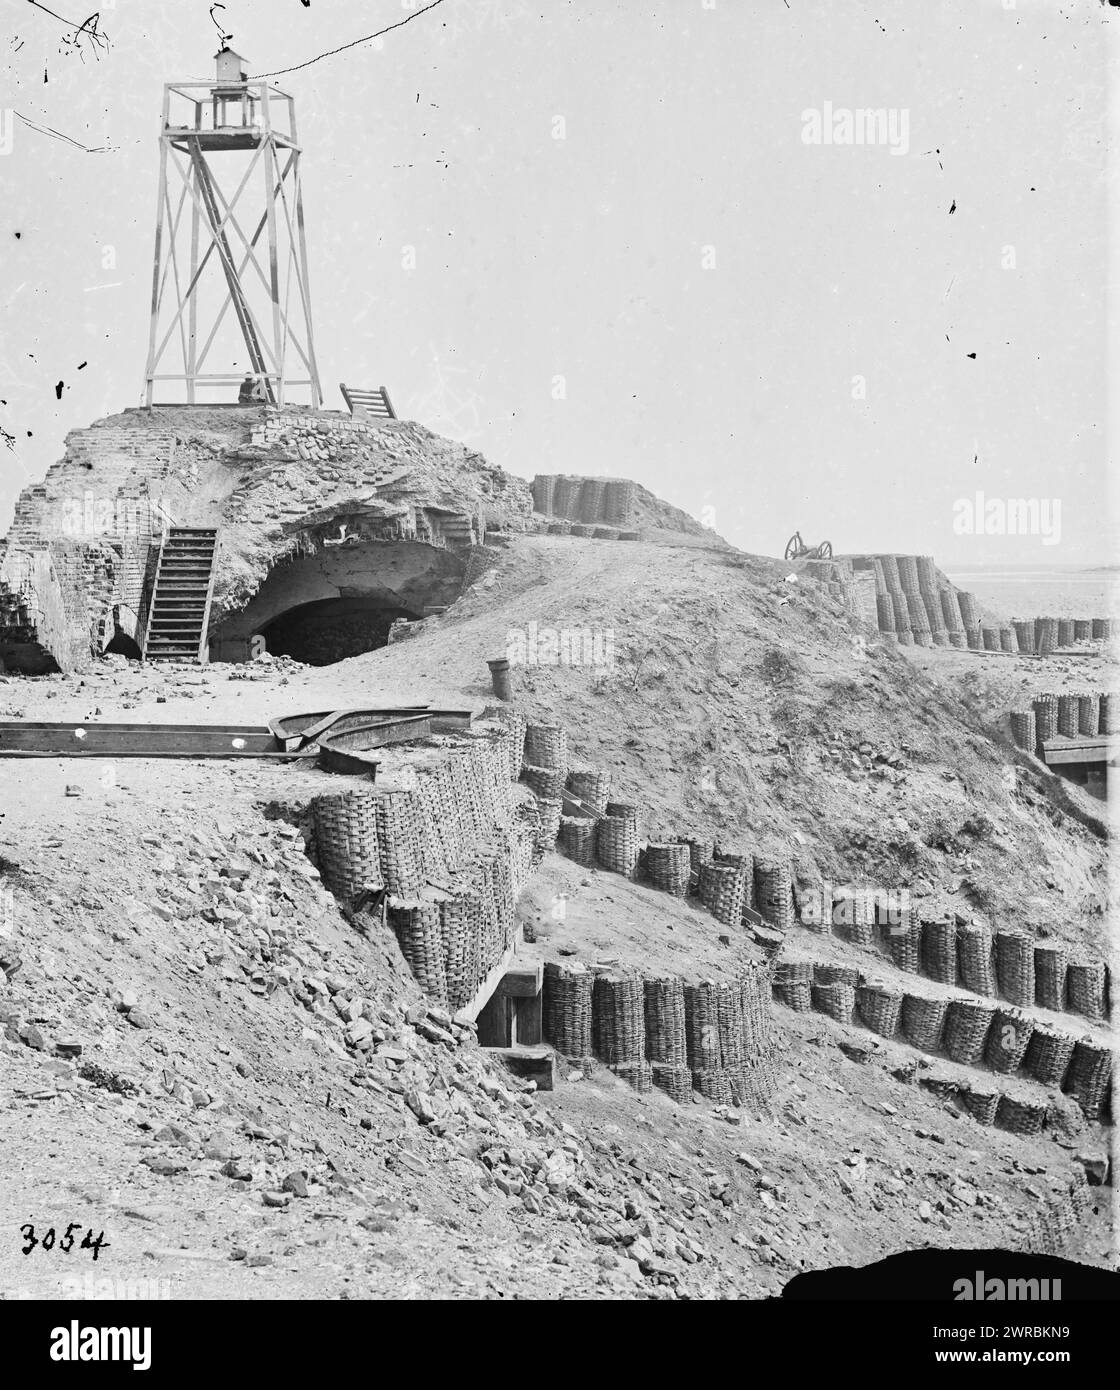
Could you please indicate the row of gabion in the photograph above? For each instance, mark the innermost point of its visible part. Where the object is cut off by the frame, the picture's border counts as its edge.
(712, 1037)
(1008, 963)
(1082, 714)
(455, 826)
(969, 1031)
(1041, 636)
(582, 500)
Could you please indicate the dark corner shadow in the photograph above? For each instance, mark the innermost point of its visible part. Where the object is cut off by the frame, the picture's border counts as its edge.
(960, 1275)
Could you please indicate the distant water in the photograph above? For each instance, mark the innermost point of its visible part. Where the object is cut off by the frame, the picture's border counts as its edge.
(1057, 592)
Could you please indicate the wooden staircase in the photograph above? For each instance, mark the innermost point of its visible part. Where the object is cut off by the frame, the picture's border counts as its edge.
(180, 605)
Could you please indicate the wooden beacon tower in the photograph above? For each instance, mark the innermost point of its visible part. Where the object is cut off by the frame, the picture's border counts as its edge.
(242, 249)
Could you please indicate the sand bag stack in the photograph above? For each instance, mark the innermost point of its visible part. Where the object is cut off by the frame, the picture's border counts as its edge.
(346, 841)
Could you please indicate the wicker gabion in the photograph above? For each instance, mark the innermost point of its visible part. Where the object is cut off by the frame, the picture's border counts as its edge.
(399, 823)
(551, 811)
(1069, 709)
(616, 844)
(1088, 715)
(1008, 1040)
(665, 1022)
(1023, 729)
(1020, 1115)
(793, 985)
(967, 1024)
(880, 1008)
(715, 1085)
(837, 1000)
(1085, 988)
(1048, 1054)
(618, 1024)
(721, 892)
(346, 840)
(1102, 629)
(981, 1103)
(825, 973)
(515, 724)
(1008, 640)
(950, 611)
(1045, 635)
(1087, 1081)
(1045, 718)
(546, 782)
(676, 1082)
(700, 852)
(939, 950)
(990, 638)
(773, 880)
(591, 785)
(459, 925)
(1065, 632)
(546, 745)
(923, 1021)
(669, 867)
(577, 839)
(901, 619)
(1107, 707)
(566, 1008)
(1015, 967)
(904, 942)
(1082, 629)
(419, 932)
(884, 611)
(702, 1033)
(1051, 964)
(1024, 635)
(975, 960)
(638, 1075)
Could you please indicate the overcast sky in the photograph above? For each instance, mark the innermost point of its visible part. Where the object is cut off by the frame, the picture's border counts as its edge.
(770, 333)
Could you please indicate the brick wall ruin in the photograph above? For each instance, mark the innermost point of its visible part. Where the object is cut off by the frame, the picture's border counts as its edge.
(275, 482)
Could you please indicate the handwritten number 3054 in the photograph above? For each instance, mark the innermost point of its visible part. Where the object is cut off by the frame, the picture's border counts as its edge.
(66, 1243)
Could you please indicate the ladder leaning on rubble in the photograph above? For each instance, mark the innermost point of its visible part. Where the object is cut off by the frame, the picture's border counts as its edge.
(179, 611)
(374, 403)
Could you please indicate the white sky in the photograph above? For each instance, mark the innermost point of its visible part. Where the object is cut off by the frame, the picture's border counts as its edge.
(728, 388)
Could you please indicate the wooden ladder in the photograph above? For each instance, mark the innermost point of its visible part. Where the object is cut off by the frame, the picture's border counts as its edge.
(373, 403)
(179, 611)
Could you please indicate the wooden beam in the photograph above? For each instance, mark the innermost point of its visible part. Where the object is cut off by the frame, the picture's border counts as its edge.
(523, 980)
